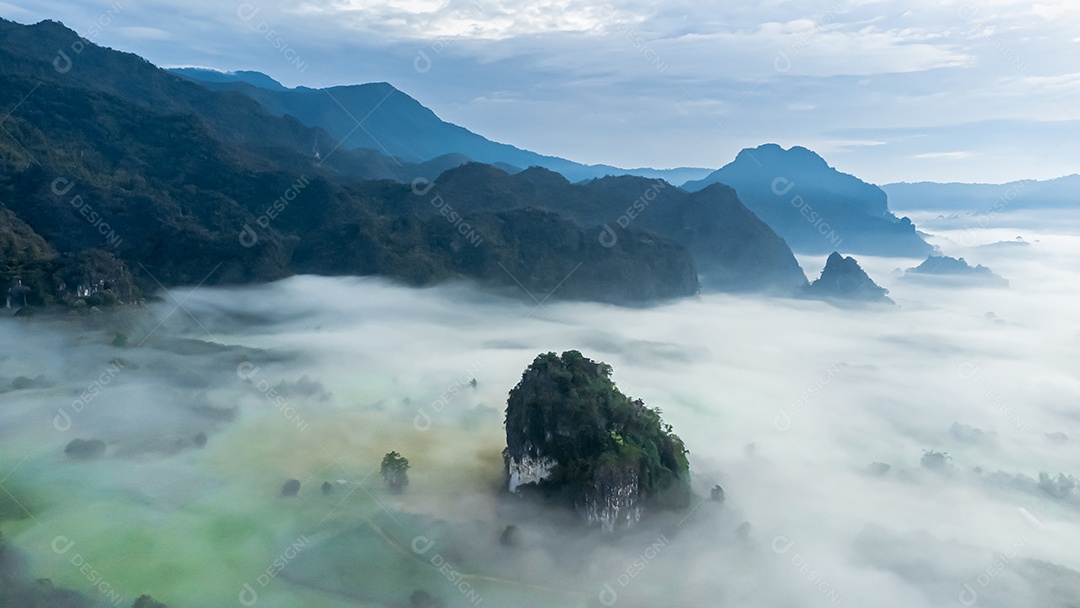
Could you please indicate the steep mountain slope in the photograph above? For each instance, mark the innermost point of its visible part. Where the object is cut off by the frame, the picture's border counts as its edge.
(814, 207)
(116, 175)
(50, 53)
(99, 193)
(571, 434)
(398, 125)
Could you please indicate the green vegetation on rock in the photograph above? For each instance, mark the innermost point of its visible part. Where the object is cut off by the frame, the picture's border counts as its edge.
(566, 408)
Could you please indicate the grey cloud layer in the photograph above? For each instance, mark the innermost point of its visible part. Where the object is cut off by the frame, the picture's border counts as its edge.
(631, 84)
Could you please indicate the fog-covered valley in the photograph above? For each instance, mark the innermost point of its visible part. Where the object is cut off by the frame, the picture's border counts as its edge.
(209, 399)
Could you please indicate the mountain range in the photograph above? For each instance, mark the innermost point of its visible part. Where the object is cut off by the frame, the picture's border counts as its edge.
(1060, 193)
(117, 177)
(378, 116)
(814, 207)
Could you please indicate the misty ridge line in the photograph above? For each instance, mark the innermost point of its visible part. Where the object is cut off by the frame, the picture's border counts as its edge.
(456, 218)
(247, 12)
(63, 62)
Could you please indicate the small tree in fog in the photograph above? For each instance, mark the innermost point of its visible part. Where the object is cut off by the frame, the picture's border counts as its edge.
(394, 471)
(934, 460)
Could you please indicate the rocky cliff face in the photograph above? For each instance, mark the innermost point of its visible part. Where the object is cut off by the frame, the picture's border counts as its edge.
(525, 468)
(574, 437)
(613, 500)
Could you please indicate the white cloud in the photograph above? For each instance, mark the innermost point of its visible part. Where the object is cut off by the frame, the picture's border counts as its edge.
(829, 145)
(945, 155)
(145, 33)
(12, 10)
(1051, 11)
(1063, 82)
(593, 82)
(475, 19)
(819, 392)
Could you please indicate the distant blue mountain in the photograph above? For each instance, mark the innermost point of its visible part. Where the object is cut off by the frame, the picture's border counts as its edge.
(253, 78)
(1060, 193)
(378, 116)
(814, 207)
(956, 269)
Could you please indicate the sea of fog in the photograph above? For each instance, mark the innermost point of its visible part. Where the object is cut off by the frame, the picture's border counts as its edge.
(915, 456)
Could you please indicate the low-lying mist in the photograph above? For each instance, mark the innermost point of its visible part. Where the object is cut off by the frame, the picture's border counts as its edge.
(920, 455)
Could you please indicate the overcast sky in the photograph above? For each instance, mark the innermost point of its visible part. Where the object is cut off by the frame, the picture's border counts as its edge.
(981, 90)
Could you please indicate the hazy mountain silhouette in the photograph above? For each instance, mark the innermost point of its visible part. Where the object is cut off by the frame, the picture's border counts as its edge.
(115, 172)
(118, 175)
(1060, 193)
(378, 116)
(814, 207)
(958, 270)
(843, 280)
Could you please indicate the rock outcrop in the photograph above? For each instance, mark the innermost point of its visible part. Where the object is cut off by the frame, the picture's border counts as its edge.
(613, 499)
(843, 280)
(571, 435)
(528, 469)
